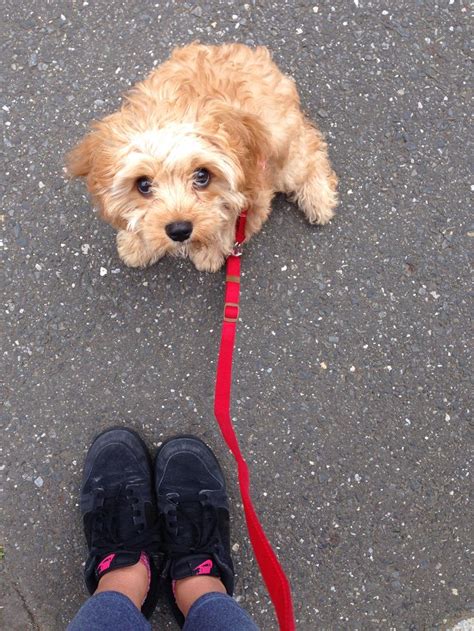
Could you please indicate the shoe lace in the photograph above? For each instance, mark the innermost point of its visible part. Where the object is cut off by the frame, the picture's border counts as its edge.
(190, 525)
(118, 523)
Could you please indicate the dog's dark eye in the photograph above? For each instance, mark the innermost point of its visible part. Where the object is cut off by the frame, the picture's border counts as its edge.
(144, 185)
(201, 178)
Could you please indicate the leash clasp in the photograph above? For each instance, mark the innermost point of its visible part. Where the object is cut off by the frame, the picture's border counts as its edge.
(238, 249)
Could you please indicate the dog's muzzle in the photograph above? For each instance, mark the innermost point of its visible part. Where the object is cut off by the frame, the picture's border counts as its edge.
(179, 230)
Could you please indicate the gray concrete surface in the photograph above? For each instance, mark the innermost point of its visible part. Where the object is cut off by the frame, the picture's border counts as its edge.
(352, 377)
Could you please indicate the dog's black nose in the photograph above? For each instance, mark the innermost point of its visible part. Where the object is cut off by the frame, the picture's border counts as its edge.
(179, 230)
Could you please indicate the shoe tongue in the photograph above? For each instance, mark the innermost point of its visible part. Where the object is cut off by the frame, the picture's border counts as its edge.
(116, 560)
(119, 516)
(187, 532)
(194, 565)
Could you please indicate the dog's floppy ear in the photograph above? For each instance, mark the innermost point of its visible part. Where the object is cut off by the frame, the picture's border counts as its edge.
(79, 160)
(93, 159)
(243, 136)
(249, 137)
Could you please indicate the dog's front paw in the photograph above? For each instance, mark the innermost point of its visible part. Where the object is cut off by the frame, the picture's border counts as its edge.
(207, 259)
(133, 251)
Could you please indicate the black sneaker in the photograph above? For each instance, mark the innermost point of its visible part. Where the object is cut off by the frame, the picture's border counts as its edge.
(193, 513)
(118, 509)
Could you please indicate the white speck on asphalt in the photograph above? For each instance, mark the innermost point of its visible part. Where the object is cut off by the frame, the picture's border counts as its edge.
(463, 625)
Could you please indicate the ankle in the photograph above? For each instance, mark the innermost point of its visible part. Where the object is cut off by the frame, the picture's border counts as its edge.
(188, 590)
(132, 581)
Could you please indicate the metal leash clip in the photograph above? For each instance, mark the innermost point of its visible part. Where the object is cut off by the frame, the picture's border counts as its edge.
(238, 249)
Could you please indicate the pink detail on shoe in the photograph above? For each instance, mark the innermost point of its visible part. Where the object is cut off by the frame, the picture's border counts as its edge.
(204, 568)
(105, 564)
(145, 560)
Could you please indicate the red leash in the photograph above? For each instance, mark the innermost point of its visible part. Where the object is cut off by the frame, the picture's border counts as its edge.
(272, 572)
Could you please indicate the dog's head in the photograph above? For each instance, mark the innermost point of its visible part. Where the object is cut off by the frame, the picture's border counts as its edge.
(174, 181)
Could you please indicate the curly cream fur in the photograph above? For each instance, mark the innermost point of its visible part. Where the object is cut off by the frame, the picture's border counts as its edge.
(226, 108)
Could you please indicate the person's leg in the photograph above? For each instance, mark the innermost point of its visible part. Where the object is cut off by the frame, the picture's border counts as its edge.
(131, 581)
(109, 611)
(194, 518)
(119, 513)
(188, 590)
(218, 612)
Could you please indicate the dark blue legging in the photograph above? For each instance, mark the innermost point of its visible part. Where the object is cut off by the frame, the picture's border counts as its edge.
(111, 611)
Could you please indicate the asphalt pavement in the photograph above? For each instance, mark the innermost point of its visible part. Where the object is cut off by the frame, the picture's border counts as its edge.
(352, 378)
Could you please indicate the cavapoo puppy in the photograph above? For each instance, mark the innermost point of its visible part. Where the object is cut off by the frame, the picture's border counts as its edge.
(212, 131)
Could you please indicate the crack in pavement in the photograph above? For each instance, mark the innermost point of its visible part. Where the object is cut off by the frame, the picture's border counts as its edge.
(29, 613)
